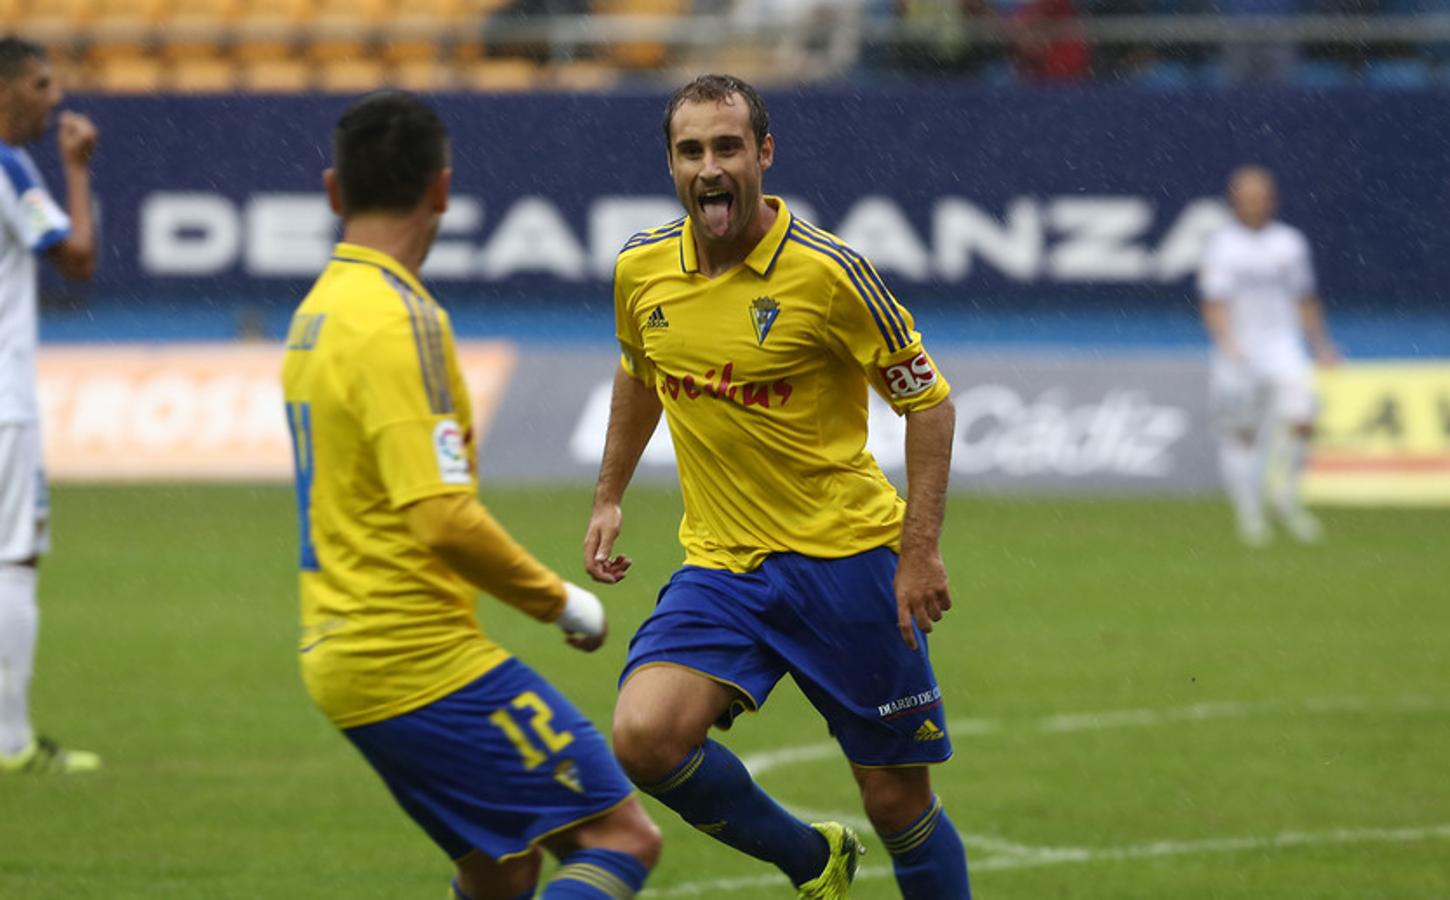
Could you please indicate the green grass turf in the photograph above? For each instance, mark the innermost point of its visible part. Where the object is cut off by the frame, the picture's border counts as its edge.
(168, 645)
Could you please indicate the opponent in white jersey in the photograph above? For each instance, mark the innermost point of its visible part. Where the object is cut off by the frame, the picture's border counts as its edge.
(31, 225)
(1260, 305)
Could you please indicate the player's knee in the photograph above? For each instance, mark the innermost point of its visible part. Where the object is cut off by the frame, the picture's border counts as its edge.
(894, 798)
(645, 745)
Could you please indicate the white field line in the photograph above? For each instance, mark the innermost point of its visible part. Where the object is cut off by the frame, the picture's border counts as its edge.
(1069, 723)
(1048, 856)
(995, 845)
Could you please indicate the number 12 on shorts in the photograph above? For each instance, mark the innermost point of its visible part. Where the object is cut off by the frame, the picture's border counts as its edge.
(529, 752)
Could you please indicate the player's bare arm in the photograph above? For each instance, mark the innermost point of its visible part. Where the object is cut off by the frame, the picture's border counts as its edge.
(634, 411)
(75, 256)
(1316, 331)
(463, 534)
(922, 594)
(1216, 322)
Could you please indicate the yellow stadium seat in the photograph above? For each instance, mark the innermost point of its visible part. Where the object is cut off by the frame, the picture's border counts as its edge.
(276, 76)
(647, 54)
(423, 75)
(585, 76)
(198, 29)
(128, 75)
(405, 50)
(502, 75)
(214, 75)
(351, 76)
(270, 29)
(53, 22)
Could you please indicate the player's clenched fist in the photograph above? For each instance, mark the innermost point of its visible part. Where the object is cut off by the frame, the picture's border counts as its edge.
(78, 137)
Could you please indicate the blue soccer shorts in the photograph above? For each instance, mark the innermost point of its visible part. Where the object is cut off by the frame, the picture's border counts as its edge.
(830, 624)
(495, 766)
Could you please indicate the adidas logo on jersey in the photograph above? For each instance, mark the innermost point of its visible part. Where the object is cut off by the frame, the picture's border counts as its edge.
(928, 732)
(657, 319)
(567, 774)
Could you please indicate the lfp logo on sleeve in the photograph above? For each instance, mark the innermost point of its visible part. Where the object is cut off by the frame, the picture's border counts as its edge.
(448, 445)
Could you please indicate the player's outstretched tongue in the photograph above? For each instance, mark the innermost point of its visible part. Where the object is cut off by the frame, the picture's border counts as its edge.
(716, 207)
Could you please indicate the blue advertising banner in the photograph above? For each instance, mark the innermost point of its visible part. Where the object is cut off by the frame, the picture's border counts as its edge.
(981, 199)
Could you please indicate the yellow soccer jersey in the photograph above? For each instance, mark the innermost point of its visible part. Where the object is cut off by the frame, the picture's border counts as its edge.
(380, 418)
(763, 372)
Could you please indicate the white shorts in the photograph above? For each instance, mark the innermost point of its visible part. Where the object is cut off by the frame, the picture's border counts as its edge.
(1244, 396)
(24, 497)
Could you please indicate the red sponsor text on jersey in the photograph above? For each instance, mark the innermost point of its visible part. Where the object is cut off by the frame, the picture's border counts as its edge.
(748, 394)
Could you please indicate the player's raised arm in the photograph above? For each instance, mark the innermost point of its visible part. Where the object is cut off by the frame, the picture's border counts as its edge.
(634, 412)
(75, 256)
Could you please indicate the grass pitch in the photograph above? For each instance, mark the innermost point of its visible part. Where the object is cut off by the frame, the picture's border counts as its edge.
(1142, 708)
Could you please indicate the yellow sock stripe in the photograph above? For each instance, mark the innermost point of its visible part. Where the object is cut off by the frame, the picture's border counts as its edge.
(917, 834)
(601, 879)
(682, 775)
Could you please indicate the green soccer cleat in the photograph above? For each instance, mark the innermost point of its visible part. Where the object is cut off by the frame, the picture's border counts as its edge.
(45, 757)
(835, 879)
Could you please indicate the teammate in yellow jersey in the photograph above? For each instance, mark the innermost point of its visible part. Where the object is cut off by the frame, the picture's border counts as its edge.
(759, 336)
(487, 757)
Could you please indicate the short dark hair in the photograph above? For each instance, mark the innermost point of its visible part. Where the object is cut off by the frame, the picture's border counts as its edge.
(387, 148)
(14, 54)
(718, 88)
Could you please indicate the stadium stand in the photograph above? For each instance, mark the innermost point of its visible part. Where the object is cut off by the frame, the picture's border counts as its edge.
(214, 46)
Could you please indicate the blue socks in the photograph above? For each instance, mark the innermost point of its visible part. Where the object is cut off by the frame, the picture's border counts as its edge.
(928, 858)
(592, 874)
(712, 791)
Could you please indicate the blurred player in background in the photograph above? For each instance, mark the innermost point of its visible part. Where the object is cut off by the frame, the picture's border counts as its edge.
(31, 225)
(760, 336)
(485, 755)
(1259, 306)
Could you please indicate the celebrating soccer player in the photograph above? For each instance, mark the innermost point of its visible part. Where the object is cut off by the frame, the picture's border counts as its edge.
(485, 755)
(1259, 306)
(759, 335)
(31, 225)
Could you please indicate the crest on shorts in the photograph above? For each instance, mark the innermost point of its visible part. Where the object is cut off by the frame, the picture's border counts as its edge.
(763, 313)
(567, 774)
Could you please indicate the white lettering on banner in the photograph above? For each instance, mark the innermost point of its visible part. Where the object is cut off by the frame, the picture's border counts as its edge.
(204, 411)
(614, 220)
(1058, 239)
(1124, 434)
(533, 237)
(1099, 238)
(453, 259)
(999, 432)
(289, 235)
(1014, 248)
(189, 234)
(878, 230)
(1182, 248)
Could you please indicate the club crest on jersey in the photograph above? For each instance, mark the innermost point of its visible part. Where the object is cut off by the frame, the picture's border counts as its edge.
(763, 313)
